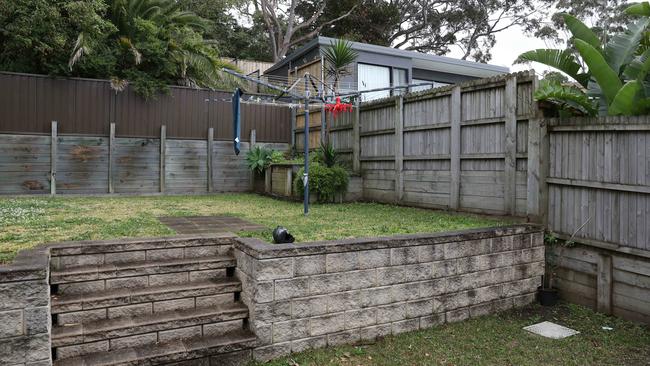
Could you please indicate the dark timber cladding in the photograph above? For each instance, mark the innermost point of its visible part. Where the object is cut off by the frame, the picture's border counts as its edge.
(29, 103)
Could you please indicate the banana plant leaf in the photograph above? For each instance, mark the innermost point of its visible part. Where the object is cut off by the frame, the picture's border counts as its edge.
(625, 101)
(580, 31)
(567, 98)
(563, 60)
(599, 69)
(620, 50)
(642, 9)
(638, 67)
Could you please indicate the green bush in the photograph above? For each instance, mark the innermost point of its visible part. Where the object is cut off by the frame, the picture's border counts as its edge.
(259, 158)
(327, 155)
(325, 182)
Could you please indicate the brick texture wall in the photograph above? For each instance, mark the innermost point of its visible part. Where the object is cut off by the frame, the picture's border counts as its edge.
(25, 310)
(329, 293)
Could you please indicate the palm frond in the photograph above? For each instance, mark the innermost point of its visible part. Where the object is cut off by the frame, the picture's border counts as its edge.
(339, 55)
(81, 48)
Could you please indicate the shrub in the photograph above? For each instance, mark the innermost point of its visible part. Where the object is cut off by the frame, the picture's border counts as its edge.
(327, 155)
(326, 182)
(259, 158)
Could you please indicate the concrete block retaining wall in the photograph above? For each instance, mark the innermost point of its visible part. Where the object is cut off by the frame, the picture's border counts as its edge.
(313, 295)
(25, 310)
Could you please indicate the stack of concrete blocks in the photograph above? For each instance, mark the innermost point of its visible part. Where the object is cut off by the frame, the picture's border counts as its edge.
(344, 292)
(25, 310)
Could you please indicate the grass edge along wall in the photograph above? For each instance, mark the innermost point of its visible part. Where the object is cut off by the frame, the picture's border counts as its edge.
(320, 294)
(409, 282)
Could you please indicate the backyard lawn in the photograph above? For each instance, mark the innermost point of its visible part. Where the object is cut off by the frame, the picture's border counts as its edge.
(26, 222)
(499, 340)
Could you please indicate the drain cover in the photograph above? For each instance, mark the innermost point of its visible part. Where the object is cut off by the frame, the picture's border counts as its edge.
(551, 330)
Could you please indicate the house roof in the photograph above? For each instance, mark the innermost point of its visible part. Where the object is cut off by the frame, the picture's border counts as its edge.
(420, 60)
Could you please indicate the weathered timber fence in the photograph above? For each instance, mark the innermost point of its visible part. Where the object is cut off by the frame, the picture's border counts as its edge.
(597, 174)
(461, 147)
(28, 103)
(108, 164)
(482, 146)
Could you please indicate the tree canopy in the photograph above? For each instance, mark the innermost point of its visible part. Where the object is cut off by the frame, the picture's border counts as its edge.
(148, 44)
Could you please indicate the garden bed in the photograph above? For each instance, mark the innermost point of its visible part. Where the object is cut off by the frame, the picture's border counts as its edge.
(278, 179)
(29, 221)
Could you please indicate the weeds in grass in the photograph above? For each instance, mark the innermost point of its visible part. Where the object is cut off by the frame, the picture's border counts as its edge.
(26, 222)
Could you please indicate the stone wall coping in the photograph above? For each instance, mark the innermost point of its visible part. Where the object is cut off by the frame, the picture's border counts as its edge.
(119, 241)
(30, 264)
(34, 263)
(125, 244)
(260, 249)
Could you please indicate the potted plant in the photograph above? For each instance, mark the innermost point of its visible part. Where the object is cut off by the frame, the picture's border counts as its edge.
(547, 293)
(258, 160)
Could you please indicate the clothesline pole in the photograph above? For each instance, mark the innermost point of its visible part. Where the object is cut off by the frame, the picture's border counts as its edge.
(306, 143)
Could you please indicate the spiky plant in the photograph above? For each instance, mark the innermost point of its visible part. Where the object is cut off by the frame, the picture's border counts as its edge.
(338, 57)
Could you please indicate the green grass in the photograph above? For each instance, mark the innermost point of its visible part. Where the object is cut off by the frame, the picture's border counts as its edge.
(499, 340)
(26, 222)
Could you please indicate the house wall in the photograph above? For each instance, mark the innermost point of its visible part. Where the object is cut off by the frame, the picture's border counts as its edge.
(374, 59)
(321, 294)
(443, 77)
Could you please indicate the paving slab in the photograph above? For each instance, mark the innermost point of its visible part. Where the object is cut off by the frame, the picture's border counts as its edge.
(551, 330)
(208, 224)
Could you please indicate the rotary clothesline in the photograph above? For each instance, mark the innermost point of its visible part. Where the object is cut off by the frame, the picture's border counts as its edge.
(322, 97)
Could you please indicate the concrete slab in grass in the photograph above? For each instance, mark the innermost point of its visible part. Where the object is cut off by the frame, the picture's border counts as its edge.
(551, 330)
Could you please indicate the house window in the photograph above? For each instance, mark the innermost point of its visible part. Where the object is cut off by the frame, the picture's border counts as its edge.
(373, 77)
(399, 78)
(425, 87)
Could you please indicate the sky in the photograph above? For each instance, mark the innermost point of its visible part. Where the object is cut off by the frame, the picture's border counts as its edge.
(510, 44)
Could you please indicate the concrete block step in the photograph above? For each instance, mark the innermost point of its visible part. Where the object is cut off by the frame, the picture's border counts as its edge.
(73, 254)
(225, 345)
(103, 330)
(139, 269)
(107, 304)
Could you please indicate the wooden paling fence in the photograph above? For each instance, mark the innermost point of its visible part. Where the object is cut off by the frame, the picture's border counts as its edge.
(462, 147)
(483, 147)
(597, 194)
(108, 164)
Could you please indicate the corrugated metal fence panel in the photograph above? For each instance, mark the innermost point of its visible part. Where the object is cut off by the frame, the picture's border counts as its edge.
(28, 104)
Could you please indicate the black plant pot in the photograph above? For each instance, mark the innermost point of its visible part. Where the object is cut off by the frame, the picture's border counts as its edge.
(547, 296)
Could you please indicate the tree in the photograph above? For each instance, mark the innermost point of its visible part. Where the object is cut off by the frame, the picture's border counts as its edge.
(36, 35)
(338, 57)
(430, 26)
(615, 73)
(286, 28)
(231, 38)
(602, 16)
(148, 44)
(372, 21)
